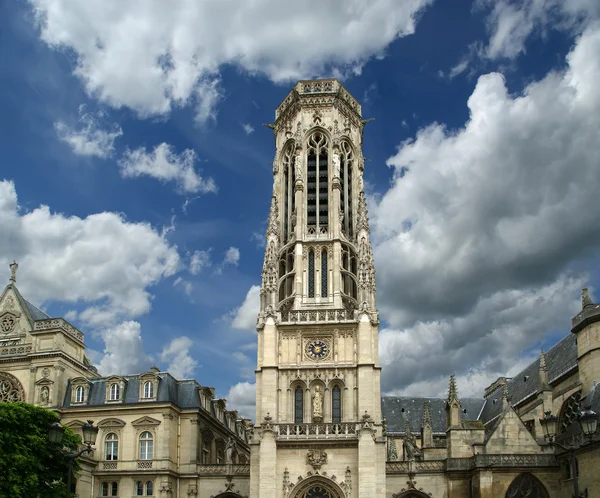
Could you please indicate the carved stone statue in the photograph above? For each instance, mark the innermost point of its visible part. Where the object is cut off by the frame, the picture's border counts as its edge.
(45, 394)
(317, 405)
(410, 447)
(230, 451)
(298, 167)
(336, 165)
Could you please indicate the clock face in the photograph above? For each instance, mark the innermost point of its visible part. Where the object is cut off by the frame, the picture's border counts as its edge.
(317, 349)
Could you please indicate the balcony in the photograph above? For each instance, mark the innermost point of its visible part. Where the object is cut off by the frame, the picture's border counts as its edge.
(316, 431)
(329, 315)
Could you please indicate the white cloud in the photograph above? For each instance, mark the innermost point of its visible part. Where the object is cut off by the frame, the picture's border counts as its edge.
(154, 56)
(181, 365)
(102, 261)
(475, 241)
(87, 138)
(232, 256)
(198, 261)
(123, 350)
(511, 23)
(248, 128)
(242, 397)
(185, 284)
(164, 164)
(244, 317)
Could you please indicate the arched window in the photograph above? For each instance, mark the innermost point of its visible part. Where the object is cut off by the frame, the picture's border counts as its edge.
(146, 446)
(317, 184)
(336, 405)
(298, 405)
(111, 446)
(149, 488)
(526, 485)
(114, 392)
(289, 200)
(114, 489)
(109, 489)
(569, 411)
(79, 393)
(311, 273)
(104, 489)
(11, 389)
(324, 273)
(148, 389)
(346, 161)
(140, 488)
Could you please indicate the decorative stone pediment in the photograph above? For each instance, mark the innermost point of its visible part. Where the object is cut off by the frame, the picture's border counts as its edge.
(145, 421)
(75, 424)
(111, 422)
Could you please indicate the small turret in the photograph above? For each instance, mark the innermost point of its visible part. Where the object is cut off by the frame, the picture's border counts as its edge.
(452, 405)
(586, 324)
(426, 426)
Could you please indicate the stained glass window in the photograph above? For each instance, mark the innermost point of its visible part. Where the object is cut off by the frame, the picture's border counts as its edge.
(336, 405)
(298, 405)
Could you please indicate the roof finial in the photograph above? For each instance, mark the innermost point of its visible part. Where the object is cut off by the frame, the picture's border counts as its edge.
(543, 365)
(426, 414)
(585, 298)
(13, 271)
(452, 393)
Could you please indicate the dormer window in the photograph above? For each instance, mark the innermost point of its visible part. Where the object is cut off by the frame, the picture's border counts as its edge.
(79, 394)
(114, 392)
(148, 389)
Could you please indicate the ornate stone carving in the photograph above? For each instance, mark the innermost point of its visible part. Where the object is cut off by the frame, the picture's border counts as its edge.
(46, 372)
(362, 216)
(317, 403)
(316, 458)
(9, 303)
(409, 444)
(11, 389)
(273, 224)
(8, 322)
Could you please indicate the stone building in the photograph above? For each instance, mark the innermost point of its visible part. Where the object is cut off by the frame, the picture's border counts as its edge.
(158, 436)
(322, 428)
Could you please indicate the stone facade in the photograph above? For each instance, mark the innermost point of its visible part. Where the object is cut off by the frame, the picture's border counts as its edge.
(322, 428)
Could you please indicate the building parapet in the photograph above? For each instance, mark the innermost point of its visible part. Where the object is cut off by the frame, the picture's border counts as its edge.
(416, 466)
(58, 323)
(317, 431)
(317, 316)
(509, 460)
(224, 469)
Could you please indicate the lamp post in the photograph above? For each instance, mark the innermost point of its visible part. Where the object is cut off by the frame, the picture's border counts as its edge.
(588, 420)
(90, 433)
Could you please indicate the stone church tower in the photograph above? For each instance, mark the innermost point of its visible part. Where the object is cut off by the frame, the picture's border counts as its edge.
(318, 409)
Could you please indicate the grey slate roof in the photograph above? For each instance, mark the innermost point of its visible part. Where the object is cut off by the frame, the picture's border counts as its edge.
(398, 409)
(560, 359)
(182, 393)
(36, 313)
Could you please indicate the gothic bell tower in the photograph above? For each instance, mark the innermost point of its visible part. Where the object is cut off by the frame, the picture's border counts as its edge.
(318, 407)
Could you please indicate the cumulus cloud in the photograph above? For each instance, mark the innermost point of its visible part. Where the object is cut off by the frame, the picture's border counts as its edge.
(198, 261)
(232, 256)
(511, 23)
(164, 164)
(181, 365)
(101, 260)
(151, 57)
(244, 317)
(123, 352)
(242, 397)
(475, 239)
(87, 138)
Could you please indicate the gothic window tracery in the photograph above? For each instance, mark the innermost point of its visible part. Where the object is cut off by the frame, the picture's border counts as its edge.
(526, 485)
(289, 201)
(298, 405)
(324, 273)
(311, 273)
(286, 273)
(569, 412)
(317, 183)
(349, 271)
(11, 389)
(346, 177)
(336, 405)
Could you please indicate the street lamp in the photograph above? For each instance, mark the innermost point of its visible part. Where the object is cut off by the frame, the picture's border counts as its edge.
(90, 433)
(588, 420)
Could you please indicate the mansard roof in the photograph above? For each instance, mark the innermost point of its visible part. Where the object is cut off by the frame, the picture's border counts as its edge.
(397, 410)
(560, 360)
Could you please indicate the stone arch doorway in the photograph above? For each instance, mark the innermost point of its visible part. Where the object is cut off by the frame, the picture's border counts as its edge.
(317, 488)
(526, 485)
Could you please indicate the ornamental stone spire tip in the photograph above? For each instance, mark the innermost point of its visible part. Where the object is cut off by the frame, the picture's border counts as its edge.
(426, 414)
(452, 392)
(586, 300)
(13, 271)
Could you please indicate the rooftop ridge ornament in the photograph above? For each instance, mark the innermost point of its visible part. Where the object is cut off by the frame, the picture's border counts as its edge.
(13, 271)
(452, 392)
(586, 300)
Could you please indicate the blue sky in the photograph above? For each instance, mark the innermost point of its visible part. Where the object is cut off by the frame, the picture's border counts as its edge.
(136, 174)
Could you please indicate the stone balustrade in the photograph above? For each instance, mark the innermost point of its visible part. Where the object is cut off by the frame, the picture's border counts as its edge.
(317, 431)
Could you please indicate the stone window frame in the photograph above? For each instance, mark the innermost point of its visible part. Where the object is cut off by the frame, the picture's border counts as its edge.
(207, 438)
(143, 485)
(153, 379)
(109, 487)
(75, 384)
(220, 451)
(120, 384)
(147, 455)
(114, 442)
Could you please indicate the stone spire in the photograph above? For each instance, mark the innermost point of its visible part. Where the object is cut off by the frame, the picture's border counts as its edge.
(13, 272)
(273, 225)
(586, 300)
(505, 397)
(452, 392)
(543, 373)
(426, 426)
